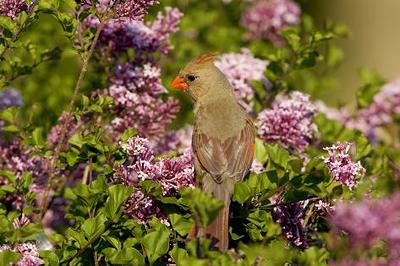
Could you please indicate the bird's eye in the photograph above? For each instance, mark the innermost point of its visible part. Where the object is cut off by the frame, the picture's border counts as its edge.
(191, 77)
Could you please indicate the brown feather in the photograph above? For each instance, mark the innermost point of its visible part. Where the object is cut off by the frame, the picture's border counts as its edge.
(205, 58)
(231, 158)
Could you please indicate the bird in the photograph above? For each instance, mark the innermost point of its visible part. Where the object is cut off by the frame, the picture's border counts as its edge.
(223, 138)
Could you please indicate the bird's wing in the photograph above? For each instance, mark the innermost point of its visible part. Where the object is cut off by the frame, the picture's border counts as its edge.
(231, 158)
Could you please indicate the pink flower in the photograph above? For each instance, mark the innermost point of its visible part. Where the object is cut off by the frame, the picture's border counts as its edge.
(340, 165)
(12, 8)
(267, 19)
(289, 122)
(241, 69)
(29, 252)
(170, 173)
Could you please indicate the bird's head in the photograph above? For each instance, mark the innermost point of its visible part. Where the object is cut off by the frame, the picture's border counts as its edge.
(201, 77)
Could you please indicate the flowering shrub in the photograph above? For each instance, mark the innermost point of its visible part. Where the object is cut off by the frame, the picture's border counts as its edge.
(96, 164)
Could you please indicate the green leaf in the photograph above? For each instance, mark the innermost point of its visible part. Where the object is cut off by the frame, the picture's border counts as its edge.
(156, 243)
(180, 223)
(126, 256)
(204, 206)
(85, 100)
(37, 137)
(113, 241)
(8, 26)
(260, 152)
(7, 257)
(363, 148)
(49, 257)
(372, 84)
(129, 132)
(151, 187)
(278, 155)
(93, 226)
(242, 192)
(178, 254)
(118, 194)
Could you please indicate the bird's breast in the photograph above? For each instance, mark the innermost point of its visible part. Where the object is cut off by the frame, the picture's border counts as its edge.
(220, 120)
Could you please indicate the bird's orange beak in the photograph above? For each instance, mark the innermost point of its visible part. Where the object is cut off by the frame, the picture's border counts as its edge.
(179, 83)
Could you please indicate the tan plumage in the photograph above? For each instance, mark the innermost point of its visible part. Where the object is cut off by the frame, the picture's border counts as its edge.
(223, 137)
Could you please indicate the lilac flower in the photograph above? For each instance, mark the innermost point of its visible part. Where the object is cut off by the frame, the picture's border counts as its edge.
(29, 252)
(21, 221)
(241, 69)
(133, 9)
(170, 173)
(12, 8)
(144, 78)
(369, 221)
(257, 167)
(340, 165)
(118, 36)
(142, 208)
(136, 87)
(291, 219)
(289, 122)
(10, 97)
(385, 105)
(174, 173)
(122, 9)
(148, 114)
(16, 159)
(267, 19)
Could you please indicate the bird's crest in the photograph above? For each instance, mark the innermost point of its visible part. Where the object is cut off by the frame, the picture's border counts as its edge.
(205, 58)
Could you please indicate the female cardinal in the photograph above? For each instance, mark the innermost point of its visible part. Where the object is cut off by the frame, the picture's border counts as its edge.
(223, 137)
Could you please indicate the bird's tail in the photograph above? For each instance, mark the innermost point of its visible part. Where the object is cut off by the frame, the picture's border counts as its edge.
(219, 228)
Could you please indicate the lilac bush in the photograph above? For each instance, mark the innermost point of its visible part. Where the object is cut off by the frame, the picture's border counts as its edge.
(112, 180)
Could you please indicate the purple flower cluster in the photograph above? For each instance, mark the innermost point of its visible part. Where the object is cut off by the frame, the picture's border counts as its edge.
(340, 165)
(29, 252)
(291, 219)
(240, 69)
(133, 9)
(120, 35)
(136, 85)
(170, 173)
(10, 97)
(11, 8)
(289, 122)
(266, 19)
(385, 105)
(18, 160)
(137, 93)
(370, 221)
(122, 9)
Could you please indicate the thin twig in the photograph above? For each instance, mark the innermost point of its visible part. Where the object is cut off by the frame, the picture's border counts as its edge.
(64, 129)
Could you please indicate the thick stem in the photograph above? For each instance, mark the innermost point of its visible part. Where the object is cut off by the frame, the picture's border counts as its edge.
(64, 129)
